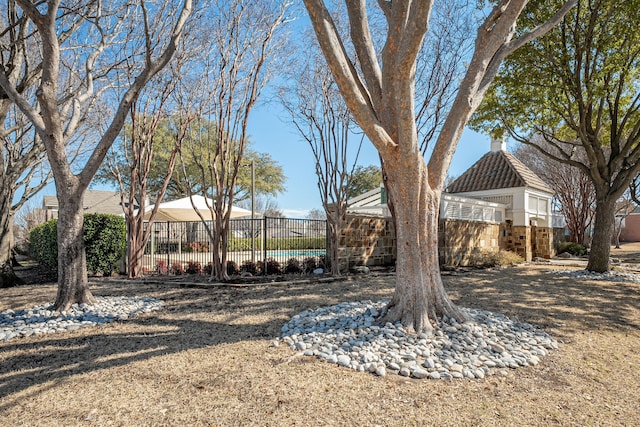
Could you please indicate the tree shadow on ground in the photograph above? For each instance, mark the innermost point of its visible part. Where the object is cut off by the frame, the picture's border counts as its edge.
(201, 318)
(550, 300)
(61, 356)
(191, 319)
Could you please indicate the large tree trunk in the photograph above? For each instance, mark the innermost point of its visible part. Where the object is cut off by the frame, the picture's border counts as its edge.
(8, 278)
(72, 265)
(603, 231)
(6, 230)
(420, 300)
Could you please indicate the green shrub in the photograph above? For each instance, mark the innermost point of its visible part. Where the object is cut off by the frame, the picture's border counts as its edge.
(573, 248)
(297, 243)
(104, 239)
(43, 244)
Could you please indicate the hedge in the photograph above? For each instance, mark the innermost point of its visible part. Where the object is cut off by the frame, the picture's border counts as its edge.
(104, 238)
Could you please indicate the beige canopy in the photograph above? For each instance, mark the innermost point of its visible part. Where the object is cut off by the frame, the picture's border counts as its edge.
(182, 210)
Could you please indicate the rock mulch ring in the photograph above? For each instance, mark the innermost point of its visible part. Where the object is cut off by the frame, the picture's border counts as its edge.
(42, 320)
(612, 276)
(345, 334)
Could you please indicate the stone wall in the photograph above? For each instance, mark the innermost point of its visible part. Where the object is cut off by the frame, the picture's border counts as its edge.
(459, 241)
(543, 242)
(371, 240)
(367, 240)
(517, 239)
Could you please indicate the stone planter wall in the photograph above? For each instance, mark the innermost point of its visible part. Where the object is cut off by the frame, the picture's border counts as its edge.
(367, 241)
(371, 241)
(459, 241)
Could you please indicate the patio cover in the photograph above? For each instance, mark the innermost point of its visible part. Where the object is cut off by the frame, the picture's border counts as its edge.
(181, 210)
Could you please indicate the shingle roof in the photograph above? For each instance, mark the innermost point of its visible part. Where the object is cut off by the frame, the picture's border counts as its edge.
(497, 169)
(95, 201)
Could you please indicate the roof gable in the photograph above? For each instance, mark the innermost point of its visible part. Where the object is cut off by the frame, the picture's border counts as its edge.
(495, 170)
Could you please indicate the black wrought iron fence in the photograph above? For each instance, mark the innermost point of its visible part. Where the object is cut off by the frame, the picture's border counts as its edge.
(175, 246)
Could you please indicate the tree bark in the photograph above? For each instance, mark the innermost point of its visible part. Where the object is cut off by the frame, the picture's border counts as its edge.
(335, 220)
(600, 252)
(8, 278)
(420, 300)
(135, 250)
(72, 265)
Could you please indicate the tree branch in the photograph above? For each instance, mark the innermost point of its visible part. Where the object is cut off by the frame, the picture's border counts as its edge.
(353, 90)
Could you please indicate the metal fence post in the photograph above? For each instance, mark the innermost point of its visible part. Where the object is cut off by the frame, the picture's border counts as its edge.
(264, 245)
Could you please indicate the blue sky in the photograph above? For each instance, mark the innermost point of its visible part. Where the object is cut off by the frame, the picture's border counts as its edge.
(270, 133)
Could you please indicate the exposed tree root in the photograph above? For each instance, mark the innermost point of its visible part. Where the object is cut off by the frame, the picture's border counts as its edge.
(422, 321)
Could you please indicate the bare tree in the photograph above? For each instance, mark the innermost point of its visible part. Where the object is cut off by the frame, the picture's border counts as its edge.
(317, 214)
(323, 120)
(241, 43)
(22, 168)
(92, 46)
(574, 192)
(440, 67)
(624, 207)
(265, 205)
(381, 98)
(130, 163)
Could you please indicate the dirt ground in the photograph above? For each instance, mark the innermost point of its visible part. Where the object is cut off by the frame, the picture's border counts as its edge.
(206, 359)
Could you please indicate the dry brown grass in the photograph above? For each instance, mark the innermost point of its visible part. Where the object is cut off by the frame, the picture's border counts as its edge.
(206, 360)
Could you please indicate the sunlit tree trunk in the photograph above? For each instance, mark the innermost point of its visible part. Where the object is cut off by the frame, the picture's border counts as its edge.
(420, 299)
(72, 265)
(603, 228)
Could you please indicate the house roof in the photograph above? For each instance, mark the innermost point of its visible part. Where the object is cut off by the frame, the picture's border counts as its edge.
(495, 170)
(95, 201)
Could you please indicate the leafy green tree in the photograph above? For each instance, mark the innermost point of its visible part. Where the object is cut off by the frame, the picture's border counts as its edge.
(577, 88)
(363, 179)
(269, 175)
